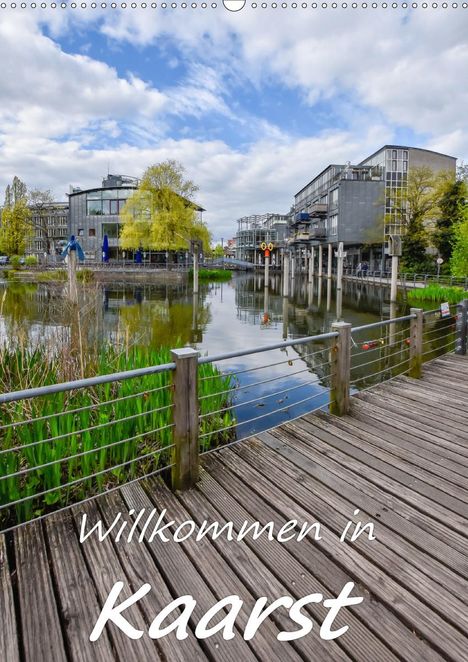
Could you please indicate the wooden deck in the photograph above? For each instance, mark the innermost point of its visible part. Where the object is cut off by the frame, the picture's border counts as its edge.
(401, 458)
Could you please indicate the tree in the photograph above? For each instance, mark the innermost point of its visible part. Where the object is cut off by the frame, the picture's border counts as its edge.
(459, 260)
(416, 206)
(15, 228)
(39, 203)
(161, 214)
(218, 251)
(453, 193)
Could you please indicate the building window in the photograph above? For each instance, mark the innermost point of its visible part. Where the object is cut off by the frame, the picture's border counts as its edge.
(405, 166)
(394, 154)
(333, 225)
(405, 155)
(80, 232)
(92, 232)
(111, 230)
(394, 165)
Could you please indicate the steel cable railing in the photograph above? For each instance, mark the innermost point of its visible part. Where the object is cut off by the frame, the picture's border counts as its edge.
(98, 433)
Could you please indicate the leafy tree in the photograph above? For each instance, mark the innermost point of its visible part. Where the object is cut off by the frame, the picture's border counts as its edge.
(39, 203)
(15, 228)
(453, 193)
(459, 260)
(161, 214)
(218, 251)
(416, 206)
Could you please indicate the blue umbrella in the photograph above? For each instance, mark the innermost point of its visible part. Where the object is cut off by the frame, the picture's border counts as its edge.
(105, 249)
(73, 245)
(138, 256)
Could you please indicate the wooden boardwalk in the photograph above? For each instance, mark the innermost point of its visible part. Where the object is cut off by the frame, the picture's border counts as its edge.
(401, 458)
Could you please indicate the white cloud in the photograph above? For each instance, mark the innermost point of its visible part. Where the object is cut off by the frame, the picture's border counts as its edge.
(60, 113)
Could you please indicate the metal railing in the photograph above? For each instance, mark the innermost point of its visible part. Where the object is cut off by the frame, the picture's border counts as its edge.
(62, 444)
(408, 279)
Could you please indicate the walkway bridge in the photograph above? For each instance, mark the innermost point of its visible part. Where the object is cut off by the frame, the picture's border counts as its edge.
(395, 454)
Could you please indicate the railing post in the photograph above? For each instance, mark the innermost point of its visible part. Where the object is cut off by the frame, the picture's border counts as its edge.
(416, 343)
(340, 365)
(185, 454)
(462, 328)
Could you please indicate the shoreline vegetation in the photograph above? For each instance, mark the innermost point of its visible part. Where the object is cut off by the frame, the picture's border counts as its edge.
(70, 437)
(212, 274)
(437, 293)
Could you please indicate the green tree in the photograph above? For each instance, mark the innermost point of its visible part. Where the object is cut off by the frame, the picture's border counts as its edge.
(459, 259)
(218, 251)
(453, 193)
(416, 207)
(161, 214)
(15, 227)
(39, 204)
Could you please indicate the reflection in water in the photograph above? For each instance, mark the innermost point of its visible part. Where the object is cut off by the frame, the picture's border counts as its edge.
(236, 315)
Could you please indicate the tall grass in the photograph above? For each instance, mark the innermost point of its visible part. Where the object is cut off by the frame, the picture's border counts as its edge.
(90, 424)
(437, 293)
(212, 274)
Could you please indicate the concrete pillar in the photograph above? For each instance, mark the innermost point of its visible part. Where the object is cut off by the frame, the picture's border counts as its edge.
(320, 261)
(330, 261)
(394, 285)
(286, 274)
(311, 264)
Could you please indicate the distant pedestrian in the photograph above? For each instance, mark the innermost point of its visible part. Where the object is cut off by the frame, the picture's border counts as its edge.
(359, 270)
(365, 267)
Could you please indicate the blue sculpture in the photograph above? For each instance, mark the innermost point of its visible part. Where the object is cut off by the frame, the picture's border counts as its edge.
(73, 245)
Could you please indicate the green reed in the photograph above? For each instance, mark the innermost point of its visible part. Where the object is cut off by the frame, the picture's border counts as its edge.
(437, 293)
(122, 411)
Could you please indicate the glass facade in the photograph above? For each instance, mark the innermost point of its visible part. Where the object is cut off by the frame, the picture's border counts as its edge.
(107, 201)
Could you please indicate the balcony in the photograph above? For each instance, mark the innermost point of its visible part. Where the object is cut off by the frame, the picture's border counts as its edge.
(318, 233)
(318, 209)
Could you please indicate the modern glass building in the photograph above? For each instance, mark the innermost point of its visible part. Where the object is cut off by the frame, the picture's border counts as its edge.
(95, 213)
(355, 204)
(253, 230)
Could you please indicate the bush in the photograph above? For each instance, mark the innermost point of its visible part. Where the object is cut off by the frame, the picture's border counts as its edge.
(15, 261)
(31, 261)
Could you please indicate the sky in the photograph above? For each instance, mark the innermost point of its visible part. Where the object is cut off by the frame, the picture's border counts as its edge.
(252, 103)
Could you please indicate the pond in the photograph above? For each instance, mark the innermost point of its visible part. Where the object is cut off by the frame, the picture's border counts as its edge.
(225, 317)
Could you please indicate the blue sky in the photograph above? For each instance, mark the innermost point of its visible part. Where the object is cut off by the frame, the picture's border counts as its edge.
(252, 103)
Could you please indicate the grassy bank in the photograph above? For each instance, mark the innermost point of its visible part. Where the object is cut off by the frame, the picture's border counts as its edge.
(71, 437)
(212, 274)
(437, 293)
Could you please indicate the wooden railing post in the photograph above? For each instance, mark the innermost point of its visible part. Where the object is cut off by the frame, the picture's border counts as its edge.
(461, 340)
(340, 365)
(416, 343)
(185, 454)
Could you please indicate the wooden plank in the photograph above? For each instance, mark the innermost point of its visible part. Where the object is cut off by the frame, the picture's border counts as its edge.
(9, 650)
(406, 425)
(428, 386)
(424, 618)
(412, 418)
(301, 566)
(321, 496)
(403, 446)
(131, 561)
(389, 496)
(409, 466)
(379, 508)
(182, 578)
(40, 624)
(220, 576)
(450, 408)
(387, 468)
(79, 608)
(332, 561)
(443, 411)
(106, 569)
